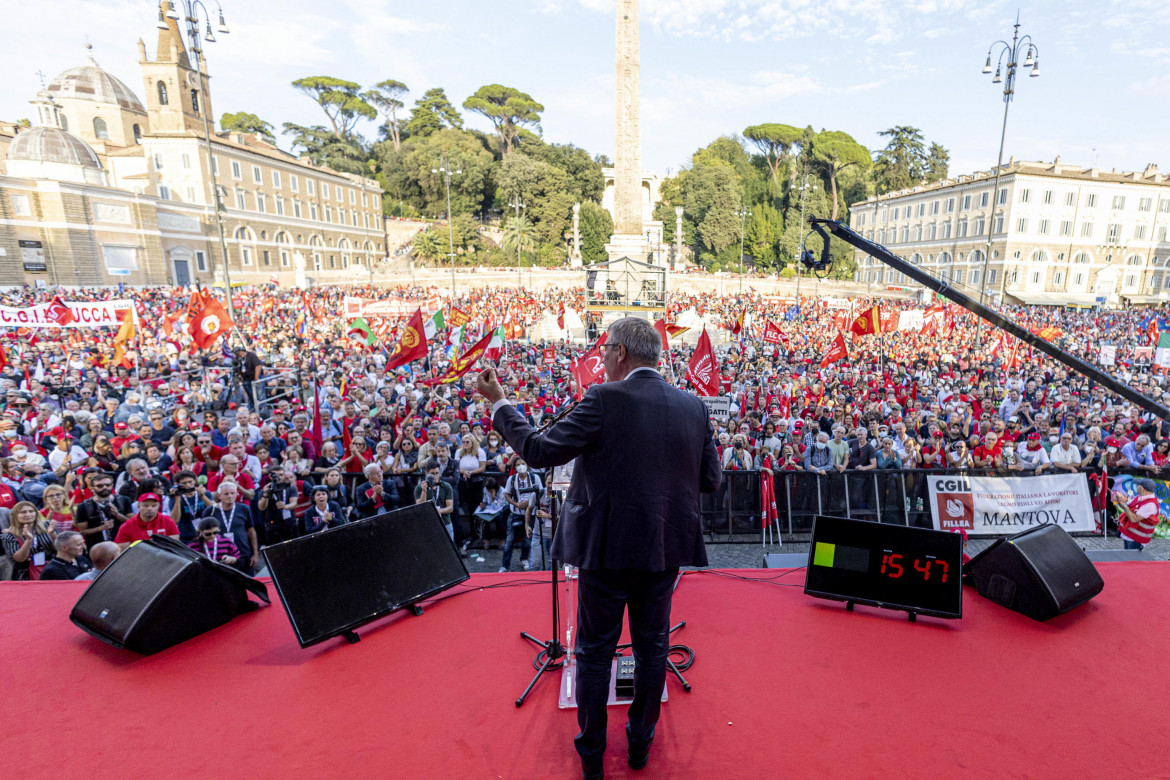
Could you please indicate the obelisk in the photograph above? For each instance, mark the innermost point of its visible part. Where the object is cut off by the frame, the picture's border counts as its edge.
(628, 239)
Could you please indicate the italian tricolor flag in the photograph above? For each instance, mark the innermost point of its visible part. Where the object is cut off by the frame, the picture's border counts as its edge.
(360, 330)
(433, 325)
(496, 345)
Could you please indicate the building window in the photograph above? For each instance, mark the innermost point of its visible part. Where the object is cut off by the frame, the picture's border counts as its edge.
(120, 260)
(999, 224)
(1070, 199)
(1131, 280)
(1035, 277)
(297, 209)
(341, 216)
(950, 208)
(215, 165)
(186, 161)
(162, 94)
(882, 236)
(1114, 234)
(100, 130)
(962, 228)
(324, 190)
(1086, 230)
(933, 207)
(1079, 279)
(1118, 202)
(266, 259)
(1082, 258)
(1025, 196)
(905, 234)
(364, 204)
(1047, 197)
(241, 200)
(279, 206)
(313, 211)
(158, 161)
(1145, 204)
(1134, 260)
(260, 202)
(1058, 278)
(946, 229)
(1162, 234)
(246, 255)
(958, 276)
(236, 173)
(352, 196)
(367, 216)
(975, 275)
(190, 194)
(1091, 201)
(1021, 225)
(195, 101)
(1066, 227)
(21, 206)
(353, 218)
(966, 202)
(983, 198)
(1002, 196)
(332, 261)
(991, 275)
(293, 183)
(1155, 282)
(284, 258)
(861, 220)
(1164, 208)
(257, 175)
(201, 262)
(312, 187)
(1044, 227)
(137, 134)
(931, 231)
(980, 226)
(1139, 232)
(164, 192)
(328, 214)
(276, 179)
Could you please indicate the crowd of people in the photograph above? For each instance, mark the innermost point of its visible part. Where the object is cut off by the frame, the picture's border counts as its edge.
(220, 448)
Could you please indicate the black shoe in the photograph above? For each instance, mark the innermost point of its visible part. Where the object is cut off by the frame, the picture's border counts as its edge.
(640, 759)
(592, 774)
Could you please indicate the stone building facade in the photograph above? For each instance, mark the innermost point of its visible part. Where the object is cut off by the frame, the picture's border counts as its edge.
(109, 188)
(1062, 234)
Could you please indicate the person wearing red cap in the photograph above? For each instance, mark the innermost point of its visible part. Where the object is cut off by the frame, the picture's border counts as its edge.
(147, 523)
(1031, 455)
(65, 455)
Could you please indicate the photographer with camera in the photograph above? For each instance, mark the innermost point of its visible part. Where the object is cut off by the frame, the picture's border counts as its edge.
(439, 493)
(277, 506)
(522, 492)
(189, 502)
(100, 516)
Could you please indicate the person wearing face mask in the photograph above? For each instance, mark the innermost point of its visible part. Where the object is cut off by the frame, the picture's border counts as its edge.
(737, 457)
(522, 492)
(431, 489)
(99, 517)
(1031, 455)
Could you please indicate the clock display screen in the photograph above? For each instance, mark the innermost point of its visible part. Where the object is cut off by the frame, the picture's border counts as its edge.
(913, 569)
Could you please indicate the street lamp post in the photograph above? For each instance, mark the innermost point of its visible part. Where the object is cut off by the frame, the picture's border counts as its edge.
(517, 204)
(190, 10)
(445, 169)
(1031, 60)
(743, 214)
(805, 186)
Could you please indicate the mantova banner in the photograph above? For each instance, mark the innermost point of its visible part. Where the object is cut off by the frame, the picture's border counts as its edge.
(1000, 506)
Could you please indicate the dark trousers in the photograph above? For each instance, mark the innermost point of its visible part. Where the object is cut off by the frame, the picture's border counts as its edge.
(603, 596)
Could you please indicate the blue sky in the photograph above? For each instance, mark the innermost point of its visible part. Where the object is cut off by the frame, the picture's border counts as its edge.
(709, 67)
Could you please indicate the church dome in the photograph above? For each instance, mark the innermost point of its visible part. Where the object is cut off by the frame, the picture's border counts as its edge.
(52, 145)
(89, 82)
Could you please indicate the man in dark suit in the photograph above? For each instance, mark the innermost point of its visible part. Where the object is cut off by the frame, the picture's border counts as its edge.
(631, 518)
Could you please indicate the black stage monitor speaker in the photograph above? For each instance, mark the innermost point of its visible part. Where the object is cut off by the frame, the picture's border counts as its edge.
(334, 581)
(159, 593)
(1041, 573)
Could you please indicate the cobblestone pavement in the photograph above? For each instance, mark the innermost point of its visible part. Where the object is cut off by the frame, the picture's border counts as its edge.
(751, 555)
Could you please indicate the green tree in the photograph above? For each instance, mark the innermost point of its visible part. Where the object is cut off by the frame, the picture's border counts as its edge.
(519, 232)
(429, 245)
(544, 190)
(762, 236)
(339, 99)
(836, 151)
(937, 163)
(585, 179)
(900, 164)
(596, 228)
(465, 230)
(508, 108)
(775, 143)
(712, 195)
(431, 113)
(324, 147)
(243, 122)
(386, 97)
(408, 172)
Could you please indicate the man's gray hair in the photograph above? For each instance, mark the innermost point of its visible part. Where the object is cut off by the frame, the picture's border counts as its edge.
(638, 337)
(64, 539)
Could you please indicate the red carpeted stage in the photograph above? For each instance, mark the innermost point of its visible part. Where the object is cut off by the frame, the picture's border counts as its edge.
(783, 685)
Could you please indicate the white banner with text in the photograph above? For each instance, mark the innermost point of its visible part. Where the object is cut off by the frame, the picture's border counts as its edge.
(84, 314)
(1000, 506)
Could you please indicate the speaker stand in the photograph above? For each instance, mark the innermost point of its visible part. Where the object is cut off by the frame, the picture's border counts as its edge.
(351, 637)
(415, 610)
(552, 653)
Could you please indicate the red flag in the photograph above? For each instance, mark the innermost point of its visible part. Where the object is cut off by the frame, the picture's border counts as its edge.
(836, 352)
(462, 364)
(58, 312)
(772, 334)
(703, 371)
(458, 318)
(210, 323)
(660, 326)
(550, 355)
(412, 344)
(561, 316)
(737, 326)
(868, 323)
(3, 357)
(589, 368)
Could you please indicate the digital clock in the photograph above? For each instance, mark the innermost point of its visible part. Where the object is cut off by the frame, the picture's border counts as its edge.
(897, 567)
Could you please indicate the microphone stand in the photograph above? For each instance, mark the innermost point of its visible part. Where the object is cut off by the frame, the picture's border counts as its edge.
(552, 653)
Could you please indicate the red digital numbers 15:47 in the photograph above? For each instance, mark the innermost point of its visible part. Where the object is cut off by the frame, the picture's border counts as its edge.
(892, 568)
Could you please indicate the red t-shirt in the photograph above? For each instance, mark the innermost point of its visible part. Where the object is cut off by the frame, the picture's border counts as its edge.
(135, 530)
(242, 479)
(213, 453)
(7, 497)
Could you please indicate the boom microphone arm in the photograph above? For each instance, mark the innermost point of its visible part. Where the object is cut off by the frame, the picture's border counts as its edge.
(975, 307)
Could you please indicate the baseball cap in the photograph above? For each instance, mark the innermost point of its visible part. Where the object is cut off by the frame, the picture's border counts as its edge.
(121, 426)
(149, 497)
(1147, 484)
(1033, 436)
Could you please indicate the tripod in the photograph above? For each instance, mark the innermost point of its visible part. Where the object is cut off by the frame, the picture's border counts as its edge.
(552, 653)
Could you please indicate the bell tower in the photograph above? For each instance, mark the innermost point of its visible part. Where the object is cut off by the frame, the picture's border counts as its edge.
(177, 93)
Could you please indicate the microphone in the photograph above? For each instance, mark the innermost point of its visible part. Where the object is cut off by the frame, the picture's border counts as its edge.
(557, 417)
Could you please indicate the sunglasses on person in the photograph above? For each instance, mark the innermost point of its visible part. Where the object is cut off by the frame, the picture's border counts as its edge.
(209, 534)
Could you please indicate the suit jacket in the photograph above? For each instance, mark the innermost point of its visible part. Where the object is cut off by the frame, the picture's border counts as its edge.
(644, 452)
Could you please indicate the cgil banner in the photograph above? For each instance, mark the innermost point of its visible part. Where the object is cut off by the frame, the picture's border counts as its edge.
(999, 506)
(86, 314)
